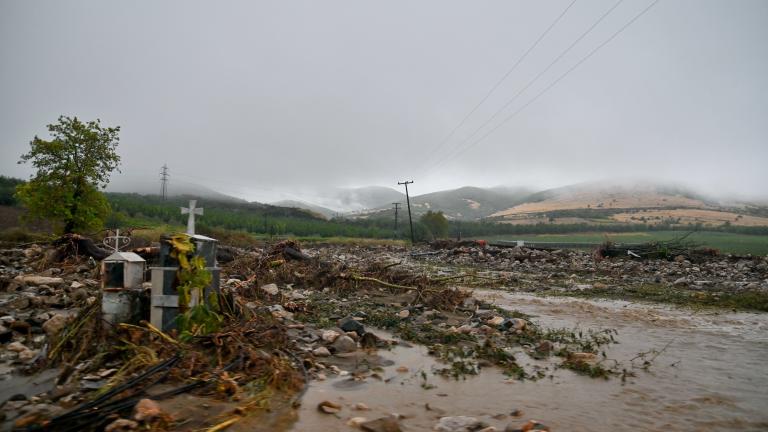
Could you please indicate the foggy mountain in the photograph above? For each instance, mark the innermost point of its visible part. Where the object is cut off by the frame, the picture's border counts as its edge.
(323, 211)
(151, 186)
(589, 202)
(350, 199)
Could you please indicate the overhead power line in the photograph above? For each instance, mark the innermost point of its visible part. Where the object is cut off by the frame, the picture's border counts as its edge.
(530, 83)
(501, 80)
(557, 80)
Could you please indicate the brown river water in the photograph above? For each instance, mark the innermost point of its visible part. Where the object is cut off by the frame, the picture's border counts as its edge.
(712, 376)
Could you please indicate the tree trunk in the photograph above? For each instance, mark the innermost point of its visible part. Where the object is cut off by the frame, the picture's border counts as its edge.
(69, 225)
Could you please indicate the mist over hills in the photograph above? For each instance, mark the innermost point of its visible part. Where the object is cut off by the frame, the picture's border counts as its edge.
(590, 203)
(320, 210)
(638, 202)
(151, 186)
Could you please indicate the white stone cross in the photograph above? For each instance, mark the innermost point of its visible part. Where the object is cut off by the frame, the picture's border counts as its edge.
(116, 241)
(192, 211)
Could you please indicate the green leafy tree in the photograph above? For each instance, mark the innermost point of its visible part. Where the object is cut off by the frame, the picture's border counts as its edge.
(435, 224)
(72, 167)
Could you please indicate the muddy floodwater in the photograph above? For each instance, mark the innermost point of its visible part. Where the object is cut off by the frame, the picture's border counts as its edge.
(711, 376)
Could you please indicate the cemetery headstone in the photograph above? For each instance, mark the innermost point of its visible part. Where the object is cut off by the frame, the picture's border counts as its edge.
(122, 274)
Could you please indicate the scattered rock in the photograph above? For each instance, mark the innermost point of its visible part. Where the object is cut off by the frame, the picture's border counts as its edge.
(349, 324)
(533, 425)
(27, 355)
(41, 280)
(330, 336)
(16, 347)
(80, 294)
(514, 324)
(496, 321)
(458, 424)
(147, 409)
(20, 303)
(582, 357)
(344, 344)
(370, 340)
(279, 312)
(32, 414)
(270, 289)
(356, 421)
(329, 407)
(121, 425)
(53, 326)
(384, 424)
(545, 347)
(321, 352)
(405, 313)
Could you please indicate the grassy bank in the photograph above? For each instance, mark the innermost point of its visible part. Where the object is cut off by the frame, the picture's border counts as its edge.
(725, 242)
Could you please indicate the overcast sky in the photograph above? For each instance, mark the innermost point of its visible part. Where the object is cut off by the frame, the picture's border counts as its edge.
(269, 99)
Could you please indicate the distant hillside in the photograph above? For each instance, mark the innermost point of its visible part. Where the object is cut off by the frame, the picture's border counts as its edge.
(637, 203)
(467, 203)
(320, 210)
(154, 205)
(123, 184)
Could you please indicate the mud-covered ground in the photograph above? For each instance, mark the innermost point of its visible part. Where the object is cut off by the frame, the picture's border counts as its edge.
(355, 318)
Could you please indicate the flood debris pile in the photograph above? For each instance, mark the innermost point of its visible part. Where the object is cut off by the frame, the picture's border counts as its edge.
(285, 315)
(112, 377)
(336, 304)
(702, 278)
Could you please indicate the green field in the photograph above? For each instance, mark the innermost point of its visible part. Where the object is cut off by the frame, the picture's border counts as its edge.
(725, 242)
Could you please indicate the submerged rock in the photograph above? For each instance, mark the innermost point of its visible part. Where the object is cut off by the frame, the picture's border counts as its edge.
(582, 357)
(384, 424)
(458, 424)
(329, 407)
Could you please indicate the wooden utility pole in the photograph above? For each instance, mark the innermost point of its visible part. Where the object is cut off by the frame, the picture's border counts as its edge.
(397, 206)
(408, 201)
